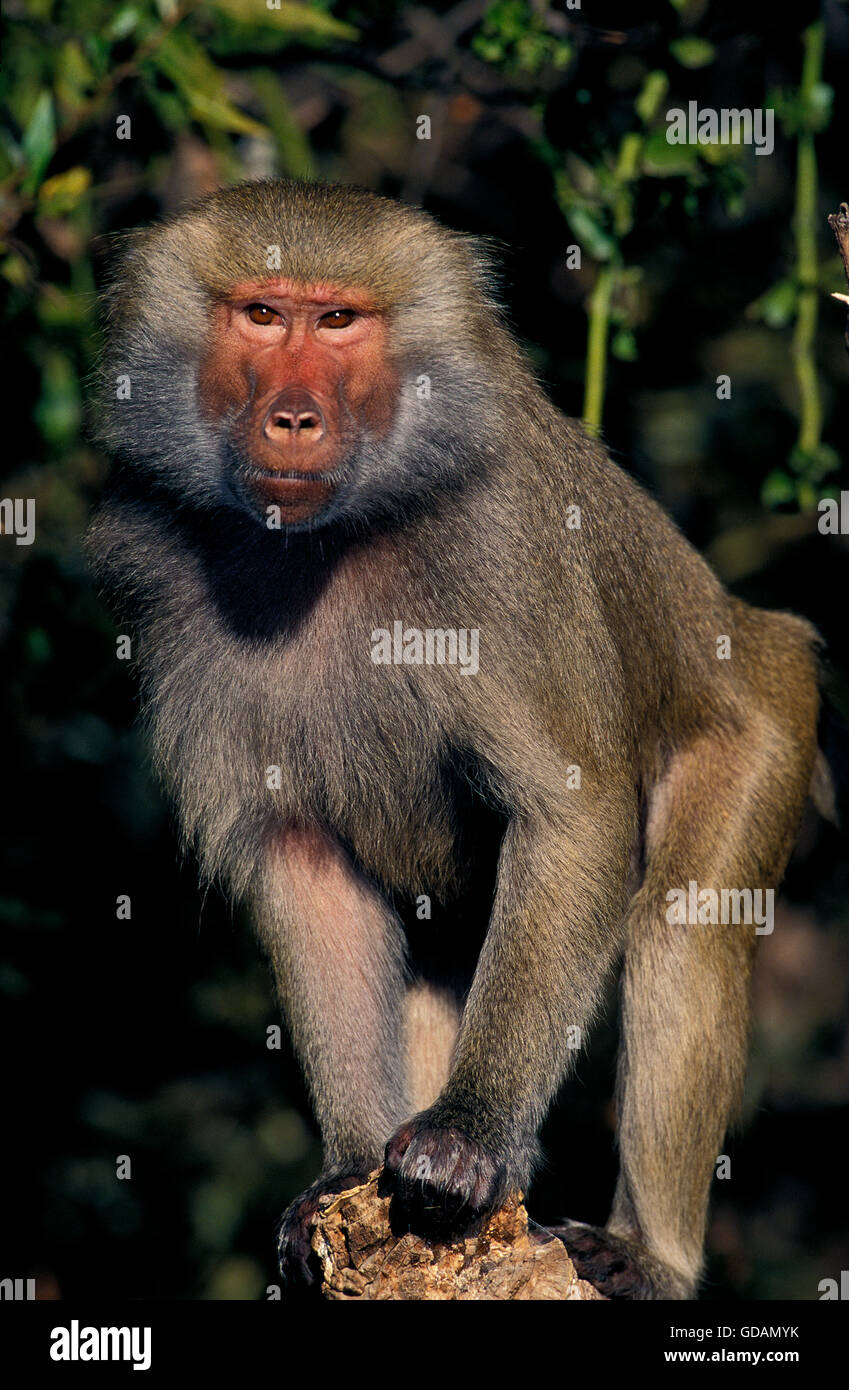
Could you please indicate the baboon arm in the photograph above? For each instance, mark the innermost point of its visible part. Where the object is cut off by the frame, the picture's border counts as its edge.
(552, 940)
(337, 955)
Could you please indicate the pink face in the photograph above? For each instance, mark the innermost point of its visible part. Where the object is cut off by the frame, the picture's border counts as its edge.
(298, 373)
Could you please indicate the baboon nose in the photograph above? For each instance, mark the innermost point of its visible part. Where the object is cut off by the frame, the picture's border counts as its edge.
(294, 414)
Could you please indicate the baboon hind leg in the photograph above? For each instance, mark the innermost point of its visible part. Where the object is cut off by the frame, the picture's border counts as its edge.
(724, 817)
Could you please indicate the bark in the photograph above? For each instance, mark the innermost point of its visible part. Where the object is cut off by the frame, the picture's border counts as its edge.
(361, 1258)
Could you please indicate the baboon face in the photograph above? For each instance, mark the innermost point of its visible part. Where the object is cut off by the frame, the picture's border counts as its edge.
(304, 352)
(298, 379)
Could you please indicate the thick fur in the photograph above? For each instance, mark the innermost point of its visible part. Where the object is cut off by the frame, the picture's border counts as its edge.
(597, 649)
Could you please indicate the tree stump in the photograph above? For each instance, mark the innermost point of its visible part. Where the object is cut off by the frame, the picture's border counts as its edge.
(361, 1258)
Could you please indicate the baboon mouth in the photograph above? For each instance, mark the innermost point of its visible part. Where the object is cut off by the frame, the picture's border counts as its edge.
(291, 489)
(291, 475)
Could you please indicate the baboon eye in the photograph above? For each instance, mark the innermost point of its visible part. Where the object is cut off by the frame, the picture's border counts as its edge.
(261, 314)
(338, 318)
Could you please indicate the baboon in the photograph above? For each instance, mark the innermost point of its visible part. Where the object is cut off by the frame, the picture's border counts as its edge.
(337, 481)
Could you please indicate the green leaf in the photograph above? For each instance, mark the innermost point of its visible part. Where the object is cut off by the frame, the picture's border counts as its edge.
(203, 87)
(777, 306)
(291, 143)
(289, 18)
(39, 141)
(531, 52)
(814, 464)
(60, 195)
(692, 52)
(220, 113)
(820, 104)
(12, 152)
(720, 153)
(624, 345)
(123, 23)
(16, 270)
(508, 18)
(58, 308)
(58, 412)
(514, 36)
(778, 489)
(651, 94)
(99, 51)
(591, 236)
(74, 77)
(561, 54)
(487, 48)
(730, 183)
(664, 160)
(169, 107)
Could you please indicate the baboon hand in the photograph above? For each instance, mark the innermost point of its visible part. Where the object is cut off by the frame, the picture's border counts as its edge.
(442, 1179)
(294, 1233)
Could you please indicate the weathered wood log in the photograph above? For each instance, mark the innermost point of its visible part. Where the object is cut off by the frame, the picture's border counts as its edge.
(361, 1258)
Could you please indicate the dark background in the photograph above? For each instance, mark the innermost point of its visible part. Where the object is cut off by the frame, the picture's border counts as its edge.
(147, 1037)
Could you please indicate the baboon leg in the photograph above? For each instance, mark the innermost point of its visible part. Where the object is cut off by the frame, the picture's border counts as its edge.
(432, 1018)
(723, 817)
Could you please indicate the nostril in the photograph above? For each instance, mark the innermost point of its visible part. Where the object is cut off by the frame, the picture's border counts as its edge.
(294, 412)
(294, 422)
